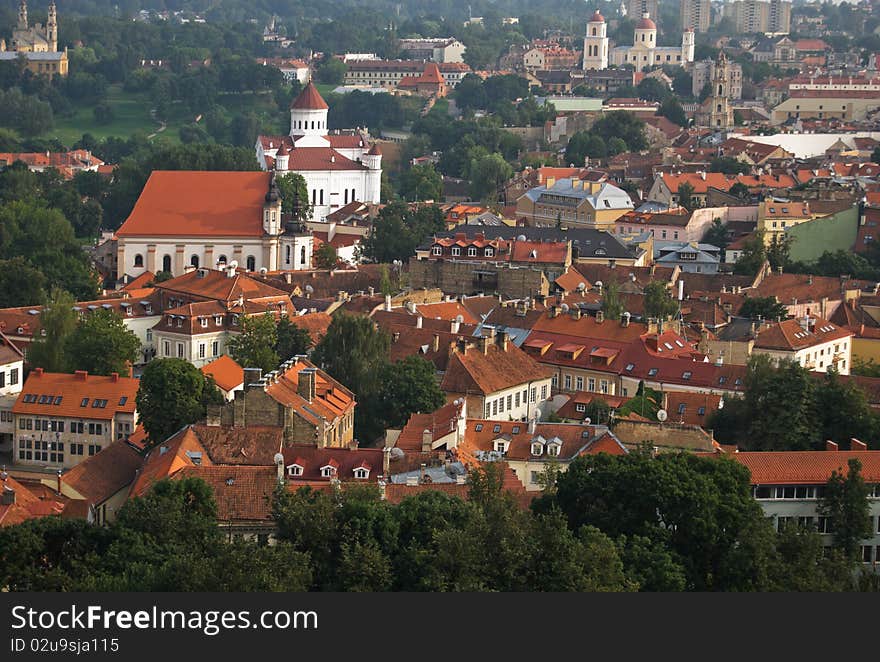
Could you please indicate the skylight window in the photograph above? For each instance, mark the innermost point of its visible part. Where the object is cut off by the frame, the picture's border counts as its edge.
(84, 403)
(667, 345)
(652, 372)
(630, 366)
(686, 375)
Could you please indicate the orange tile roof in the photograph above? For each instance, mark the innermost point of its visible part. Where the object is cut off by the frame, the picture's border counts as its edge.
(685, 407)
(99, 477)
(805, 467)
(140, 282)
(315, 323)
(76, 395)
(242, 493)
(167, 458)
(309, 99)
(789, 335)
(344, 461)
(226, 372)
(28, 505)
(472, 371)
(447, 310)
(212, 284)
(440, 423)
(199, 204)
(332, 398)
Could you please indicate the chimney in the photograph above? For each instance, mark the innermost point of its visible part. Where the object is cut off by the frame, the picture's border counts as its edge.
(252, 376)
(114, 377)
(533, 425)
(37, 372)
(600, 316)
(387, 303)
(624, 319)
(427, 439)
(8, 496)
(419, 322)
(386, 460)
(81, 375)
(453, 327)
(212, 416)
(305, 385)
(353, 445)
(856, 445)
(279, 467)
(483, 344)
(830, 445)
(435, 342)
(462, 345)
(501, 340)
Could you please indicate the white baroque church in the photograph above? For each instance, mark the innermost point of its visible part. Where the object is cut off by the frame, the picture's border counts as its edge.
(339, 168)
(644, 51)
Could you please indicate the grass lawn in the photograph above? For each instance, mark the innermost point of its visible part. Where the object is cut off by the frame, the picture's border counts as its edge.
(326, 88)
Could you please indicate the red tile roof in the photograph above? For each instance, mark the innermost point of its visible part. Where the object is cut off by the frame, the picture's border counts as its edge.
(242, 493)
(199, 204)
(472, 371)
(75, 395)
(331, 400)
(806, 467)
(789, 335)
(28, 504)
(309, 99)
(169, 457)
(344, 461)
(441, 423)
(226, 372)
(99, 477)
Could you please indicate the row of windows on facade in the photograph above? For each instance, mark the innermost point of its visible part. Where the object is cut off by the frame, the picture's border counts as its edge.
(804, 492)
(76, 427)
(513, 400)
(328, 471)
(218, 319)
(13, 377)
(250, 262)
(579, 383)
(472, 251)
(97, 403)
(552, 448)
(622, 229)
(181, 350)
(52, 451)
(635, 58)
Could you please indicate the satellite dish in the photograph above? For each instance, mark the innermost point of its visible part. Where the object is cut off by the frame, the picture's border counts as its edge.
(662, 415)
(598, 283)
(564, 308)
(279, 458)
(587, 420)
(264, 270)
(582, 286)
(309, 289)
(521, 237)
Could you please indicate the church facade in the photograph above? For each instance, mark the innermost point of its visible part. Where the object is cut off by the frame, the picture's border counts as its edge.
(184, 220)
(338, 167)
(38, 44)
(716, 111)
(646, 53)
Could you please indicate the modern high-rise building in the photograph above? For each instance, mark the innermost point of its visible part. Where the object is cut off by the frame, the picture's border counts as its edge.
(635, 9)
(751, 16)
(695, 15)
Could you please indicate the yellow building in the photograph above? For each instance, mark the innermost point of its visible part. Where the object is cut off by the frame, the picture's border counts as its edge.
(37, 45)
(573, 203)
(776, 216)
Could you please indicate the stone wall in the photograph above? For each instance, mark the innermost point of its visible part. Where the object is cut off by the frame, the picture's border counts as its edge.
(464, 277)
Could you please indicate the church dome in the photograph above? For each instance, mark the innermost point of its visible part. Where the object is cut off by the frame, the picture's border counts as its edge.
(646, 23)
(309, 99)
(375, 150)
(597, 17)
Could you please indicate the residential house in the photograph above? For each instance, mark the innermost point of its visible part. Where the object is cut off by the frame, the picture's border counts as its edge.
(776, 215)
(11, 371)
(227, 375)
(690, 257)
(60, 419)
(572, 202)
(789, 487)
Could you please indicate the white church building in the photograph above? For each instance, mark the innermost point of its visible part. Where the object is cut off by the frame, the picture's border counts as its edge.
(184, 220)
(339, 168)
(643, 53)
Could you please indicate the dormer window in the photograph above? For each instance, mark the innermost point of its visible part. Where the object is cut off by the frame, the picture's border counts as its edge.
(218, 320)
(537, 449)
(553, 449)
(472, 252)
(294, 470)
(328, 471)
(489, 252)
(204, 322)
(581, 407)
(361, 473)
(179, 322)
(437, 250)
(500, 446)
(456, 251)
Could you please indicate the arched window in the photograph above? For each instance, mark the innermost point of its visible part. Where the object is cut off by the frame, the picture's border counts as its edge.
(594, 32)
(720, 91)
(346, 196)
(194, 261)
(719, 108)
(166, 263)
(302, 255)
(313, 124)
(251, 263)
(139, 260)
(222, 259)
(287, 259)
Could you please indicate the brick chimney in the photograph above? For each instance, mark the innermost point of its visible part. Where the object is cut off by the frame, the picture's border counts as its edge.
(114, 377)
(435, 342)
(501, 340)
(81, 375)
(830, 445)
(252, 376)
(856, 445)
(483, 344)
(305, 385)
(37, 372)
(427, 439)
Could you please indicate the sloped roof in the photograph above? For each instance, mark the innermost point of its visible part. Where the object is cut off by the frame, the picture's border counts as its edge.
(242, 493)
(76, 395)
(472, 371)
(309, 99)
(226, 372)
(99, 477)
(199, 204)
(806, 467)
(28, 505)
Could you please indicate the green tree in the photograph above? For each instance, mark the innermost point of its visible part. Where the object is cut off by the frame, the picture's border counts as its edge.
(846, 504)
(729, 166)
(173, 393)
(686, 196)
(58, 320)
(658, 301)
(487, 174)
(653, 89)
(740, 190)
(598, 411)
(254, 346)
(293, 340)
(753, 256)
(294, 196)
(763, 307)
(353, 351)
(331, 71)
(325, 256)
(671, 109)
(612, 306)
(585, 144)
(101, 344)
(421, 182)
(716, 235)
(399, 229)
(408, 386)
(20, 283)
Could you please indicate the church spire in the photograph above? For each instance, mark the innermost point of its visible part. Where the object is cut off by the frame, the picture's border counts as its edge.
(22, 15)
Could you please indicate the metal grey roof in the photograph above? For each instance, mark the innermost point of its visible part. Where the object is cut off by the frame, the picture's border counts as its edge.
(608, 196)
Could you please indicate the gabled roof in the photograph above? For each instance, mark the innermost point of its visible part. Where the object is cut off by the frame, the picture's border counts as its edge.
(331, 400)
(343, 460)
(217, 285)
(472, 371)
(28, 504)
(226, 372)
(255, 444)
(806, 467)
(309, 99)
(789, 335)
(77, 395)
(242, 493)
(169, 457)
(99, 477)
(440, 423)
